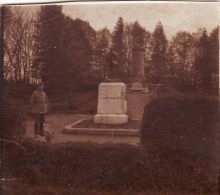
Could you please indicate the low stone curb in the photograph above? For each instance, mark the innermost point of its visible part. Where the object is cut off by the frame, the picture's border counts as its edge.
(93, 131)
(96, 131)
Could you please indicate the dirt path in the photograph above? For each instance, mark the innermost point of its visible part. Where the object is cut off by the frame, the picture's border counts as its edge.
(58, 121)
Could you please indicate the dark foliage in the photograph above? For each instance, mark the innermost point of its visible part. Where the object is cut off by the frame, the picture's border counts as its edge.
(13, 123)
(138, 35)
(184, 124)
(105, 167)
(19, 90)
(159, 53)
(65, 47)
(49, 40)
(119, 49)
(68, 54)
(207, 63)
(75, 164)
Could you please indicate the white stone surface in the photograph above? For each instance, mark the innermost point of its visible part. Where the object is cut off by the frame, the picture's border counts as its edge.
(112, 90)
(112, 106)
(111, 118)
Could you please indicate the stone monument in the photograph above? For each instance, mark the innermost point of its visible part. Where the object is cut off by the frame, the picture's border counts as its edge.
(112, 104)
(137, 95)
(138, 80)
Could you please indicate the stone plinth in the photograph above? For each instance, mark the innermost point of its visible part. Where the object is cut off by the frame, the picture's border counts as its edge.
(139, 87)
(111, 118)
(112, 105)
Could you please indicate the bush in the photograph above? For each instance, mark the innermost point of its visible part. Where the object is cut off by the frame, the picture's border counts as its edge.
(19, 90)
(89, 166)
(180, 134)
(181, 125)
(92, 166)
(14, 121)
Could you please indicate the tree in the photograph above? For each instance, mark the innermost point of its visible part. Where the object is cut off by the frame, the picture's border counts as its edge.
(50, 25)
(138, 34)
(206, 62)
(102, 50)
(28, 46)
(214, 58)
(65, 49)
(147, 56)
(13, 37)
(8, 66)
(172, 66)
(76, 54)
(158, 57)
(128, 43)
(18, 43)
(119, 49)
(182, 48)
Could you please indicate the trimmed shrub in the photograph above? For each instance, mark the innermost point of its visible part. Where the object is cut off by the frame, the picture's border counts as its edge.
(14, 121)
(181, 136)
(107, 167)
(181, 124)
(92, 166)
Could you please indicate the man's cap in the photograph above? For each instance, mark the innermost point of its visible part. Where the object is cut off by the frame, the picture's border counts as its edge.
(40, 84)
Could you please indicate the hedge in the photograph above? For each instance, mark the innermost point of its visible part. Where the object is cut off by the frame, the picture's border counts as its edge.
(107, 167)
(186, 125)
(14, 121)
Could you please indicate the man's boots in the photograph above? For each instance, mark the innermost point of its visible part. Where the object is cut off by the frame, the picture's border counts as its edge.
(36, 129)
(41, 124)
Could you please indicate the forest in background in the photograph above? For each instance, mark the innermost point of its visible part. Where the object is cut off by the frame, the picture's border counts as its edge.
(69, 55)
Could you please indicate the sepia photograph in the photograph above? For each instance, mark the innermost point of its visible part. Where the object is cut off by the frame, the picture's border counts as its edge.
(110, 98)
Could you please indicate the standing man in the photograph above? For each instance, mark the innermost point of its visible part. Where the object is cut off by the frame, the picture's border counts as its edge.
(39, 102)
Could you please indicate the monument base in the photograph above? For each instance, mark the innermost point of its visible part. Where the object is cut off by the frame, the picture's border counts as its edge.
(139, 87)
(111, 119)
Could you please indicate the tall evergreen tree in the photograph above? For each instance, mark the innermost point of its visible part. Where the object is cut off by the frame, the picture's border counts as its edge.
(158, 57)
(76, 54)
(50, 25)
(128, 43)
(65, 49)
(119, 49)
(138, 33)
(202, 62)
(147, 55)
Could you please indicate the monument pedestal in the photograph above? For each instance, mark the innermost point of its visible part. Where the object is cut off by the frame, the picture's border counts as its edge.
(111, 118)
(112, 105)
(139, 87)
